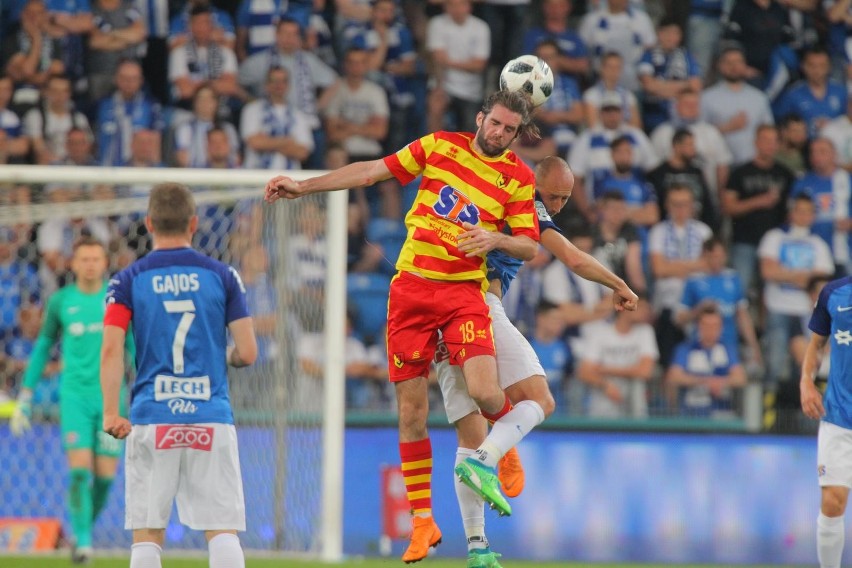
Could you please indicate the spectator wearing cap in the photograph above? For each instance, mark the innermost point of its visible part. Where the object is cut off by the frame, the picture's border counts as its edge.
(735, 107)
(608, 87)
(591, 156)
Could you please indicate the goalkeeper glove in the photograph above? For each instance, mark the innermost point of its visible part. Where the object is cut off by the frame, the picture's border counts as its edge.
(20, 420)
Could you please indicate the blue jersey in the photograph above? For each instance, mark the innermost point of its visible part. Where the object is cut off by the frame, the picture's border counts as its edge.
(726, 290)
(799, 99)
(569, 41)
(636, 191)
(182, 302)
(832, 318)
(716, 361)
(501, 265)
(831, 196)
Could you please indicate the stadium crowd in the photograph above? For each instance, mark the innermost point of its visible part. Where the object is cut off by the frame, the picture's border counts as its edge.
(711, 143)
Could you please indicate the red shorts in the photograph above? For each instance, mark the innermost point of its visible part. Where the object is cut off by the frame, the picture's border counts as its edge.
(418, 308)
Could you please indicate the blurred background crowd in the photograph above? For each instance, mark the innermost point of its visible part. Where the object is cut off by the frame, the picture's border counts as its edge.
(711, 142)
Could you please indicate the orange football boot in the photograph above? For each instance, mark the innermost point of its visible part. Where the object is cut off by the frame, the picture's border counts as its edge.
(425, 534)
(510, 472)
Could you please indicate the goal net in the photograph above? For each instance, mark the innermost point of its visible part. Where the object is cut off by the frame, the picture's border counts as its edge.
(288, 407)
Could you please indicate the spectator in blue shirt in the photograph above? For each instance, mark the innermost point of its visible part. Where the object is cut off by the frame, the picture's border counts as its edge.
(664, 71)
(573, 56)
(706, 370)
(129, 109)
(817, 98)
(629, 181)
(829, 187)
(721, 287)
(19, 282)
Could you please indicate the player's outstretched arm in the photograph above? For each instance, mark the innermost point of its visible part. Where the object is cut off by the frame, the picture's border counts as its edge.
(244, 351)
(586, 266)
(356, 174)
(811, 397)
(112, 371)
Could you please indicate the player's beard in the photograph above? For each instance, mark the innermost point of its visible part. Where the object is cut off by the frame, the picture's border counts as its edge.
(488, 148)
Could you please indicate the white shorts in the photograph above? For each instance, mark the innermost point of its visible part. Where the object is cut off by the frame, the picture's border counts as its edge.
(516, 361)
(834, 455)
(196, 464)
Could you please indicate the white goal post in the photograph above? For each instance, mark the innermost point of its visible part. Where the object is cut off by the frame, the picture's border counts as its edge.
(240, 184)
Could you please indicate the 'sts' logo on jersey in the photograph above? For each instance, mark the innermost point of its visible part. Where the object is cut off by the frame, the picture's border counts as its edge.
(454, 205)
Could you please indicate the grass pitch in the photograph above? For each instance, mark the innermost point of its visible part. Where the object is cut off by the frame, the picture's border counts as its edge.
(56, 561)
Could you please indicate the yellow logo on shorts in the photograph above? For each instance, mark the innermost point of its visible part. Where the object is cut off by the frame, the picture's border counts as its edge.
(398, 361)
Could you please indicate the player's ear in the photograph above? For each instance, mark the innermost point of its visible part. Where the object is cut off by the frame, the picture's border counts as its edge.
(148, 224)
(480, 117)
(193, 224)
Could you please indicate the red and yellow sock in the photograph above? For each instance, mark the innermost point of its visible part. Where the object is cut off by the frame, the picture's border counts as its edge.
(417, 473)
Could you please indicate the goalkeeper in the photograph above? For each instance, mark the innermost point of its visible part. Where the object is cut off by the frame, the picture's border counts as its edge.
(76, 313)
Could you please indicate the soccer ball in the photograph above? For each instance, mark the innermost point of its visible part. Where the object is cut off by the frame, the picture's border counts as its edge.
(530, 75)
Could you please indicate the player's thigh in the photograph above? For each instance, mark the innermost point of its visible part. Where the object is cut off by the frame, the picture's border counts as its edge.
(152, 473)
(79, 420)
(466, 329)
(413, 321)
(210, 492)
(834, 456)
(457, 401)
(516, 359)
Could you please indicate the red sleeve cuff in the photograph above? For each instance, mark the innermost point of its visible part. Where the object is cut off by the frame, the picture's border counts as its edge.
(118, 315)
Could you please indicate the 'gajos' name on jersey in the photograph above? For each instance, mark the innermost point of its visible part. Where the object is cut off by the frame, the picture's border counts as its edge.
(175, 283)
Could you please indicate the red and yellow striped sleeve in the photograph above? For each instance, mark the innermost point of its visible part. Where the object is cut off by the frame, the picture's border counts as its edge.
(410, 161)
(520, 211)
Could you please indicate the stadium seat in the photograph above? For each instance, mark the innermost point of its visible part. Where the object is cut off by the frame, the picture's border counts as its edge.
(368, 300)
(390, 235)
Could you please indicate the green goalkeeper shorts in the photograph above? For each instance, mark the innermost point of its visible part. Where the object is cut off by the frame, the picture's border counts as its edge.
(81, 419)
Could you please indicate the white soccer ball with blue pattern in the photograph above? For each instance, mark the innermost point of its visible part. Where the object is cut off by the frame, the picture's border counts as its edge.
(530, 75)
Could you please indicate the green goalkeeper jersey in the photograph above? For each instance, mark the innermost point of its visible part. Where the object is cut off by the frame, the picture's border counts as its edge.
(78, 319)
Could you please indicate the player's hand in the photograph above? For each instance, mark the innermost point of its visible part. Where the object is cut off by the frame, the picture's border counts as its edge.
(476, 241)
(19, 422)
(282, 186)
(624, 299)
(811, 400)
(117, 427)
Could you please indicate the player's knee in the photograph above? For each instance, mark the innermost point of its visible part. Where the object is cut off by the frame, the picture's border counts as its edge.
(546, 402)
(412, 417)
(834, 501)
(486, 395)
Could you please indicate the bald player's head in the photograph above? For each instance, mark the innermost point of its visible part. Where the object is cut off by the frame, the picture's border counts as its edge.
(554, 182)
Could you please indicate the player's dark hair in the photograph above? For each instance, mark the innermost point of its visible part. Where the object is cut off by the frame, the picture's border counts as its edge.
(87, 241)
(712, 242)
(680, 135)
(516, 102)
(170, 208)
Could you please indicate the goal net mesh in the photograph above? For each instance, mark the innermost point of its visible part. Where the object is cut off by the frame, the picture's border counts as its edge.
(280, 252)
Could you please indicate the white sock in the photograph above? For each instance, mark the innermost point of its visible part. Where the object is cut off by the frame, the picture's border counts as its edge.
(145, 555)
(509, 430)
(472, 508)
(225, 551)
(830, 536)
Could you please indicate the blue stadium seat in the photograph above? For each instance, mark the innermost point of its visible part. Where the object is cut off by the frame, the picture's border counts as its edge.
(390, 235)
(368, 299)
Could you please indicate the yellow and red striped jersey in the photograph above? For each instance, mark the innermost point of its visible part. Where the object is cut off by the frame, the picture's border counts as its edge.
(459, 185)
